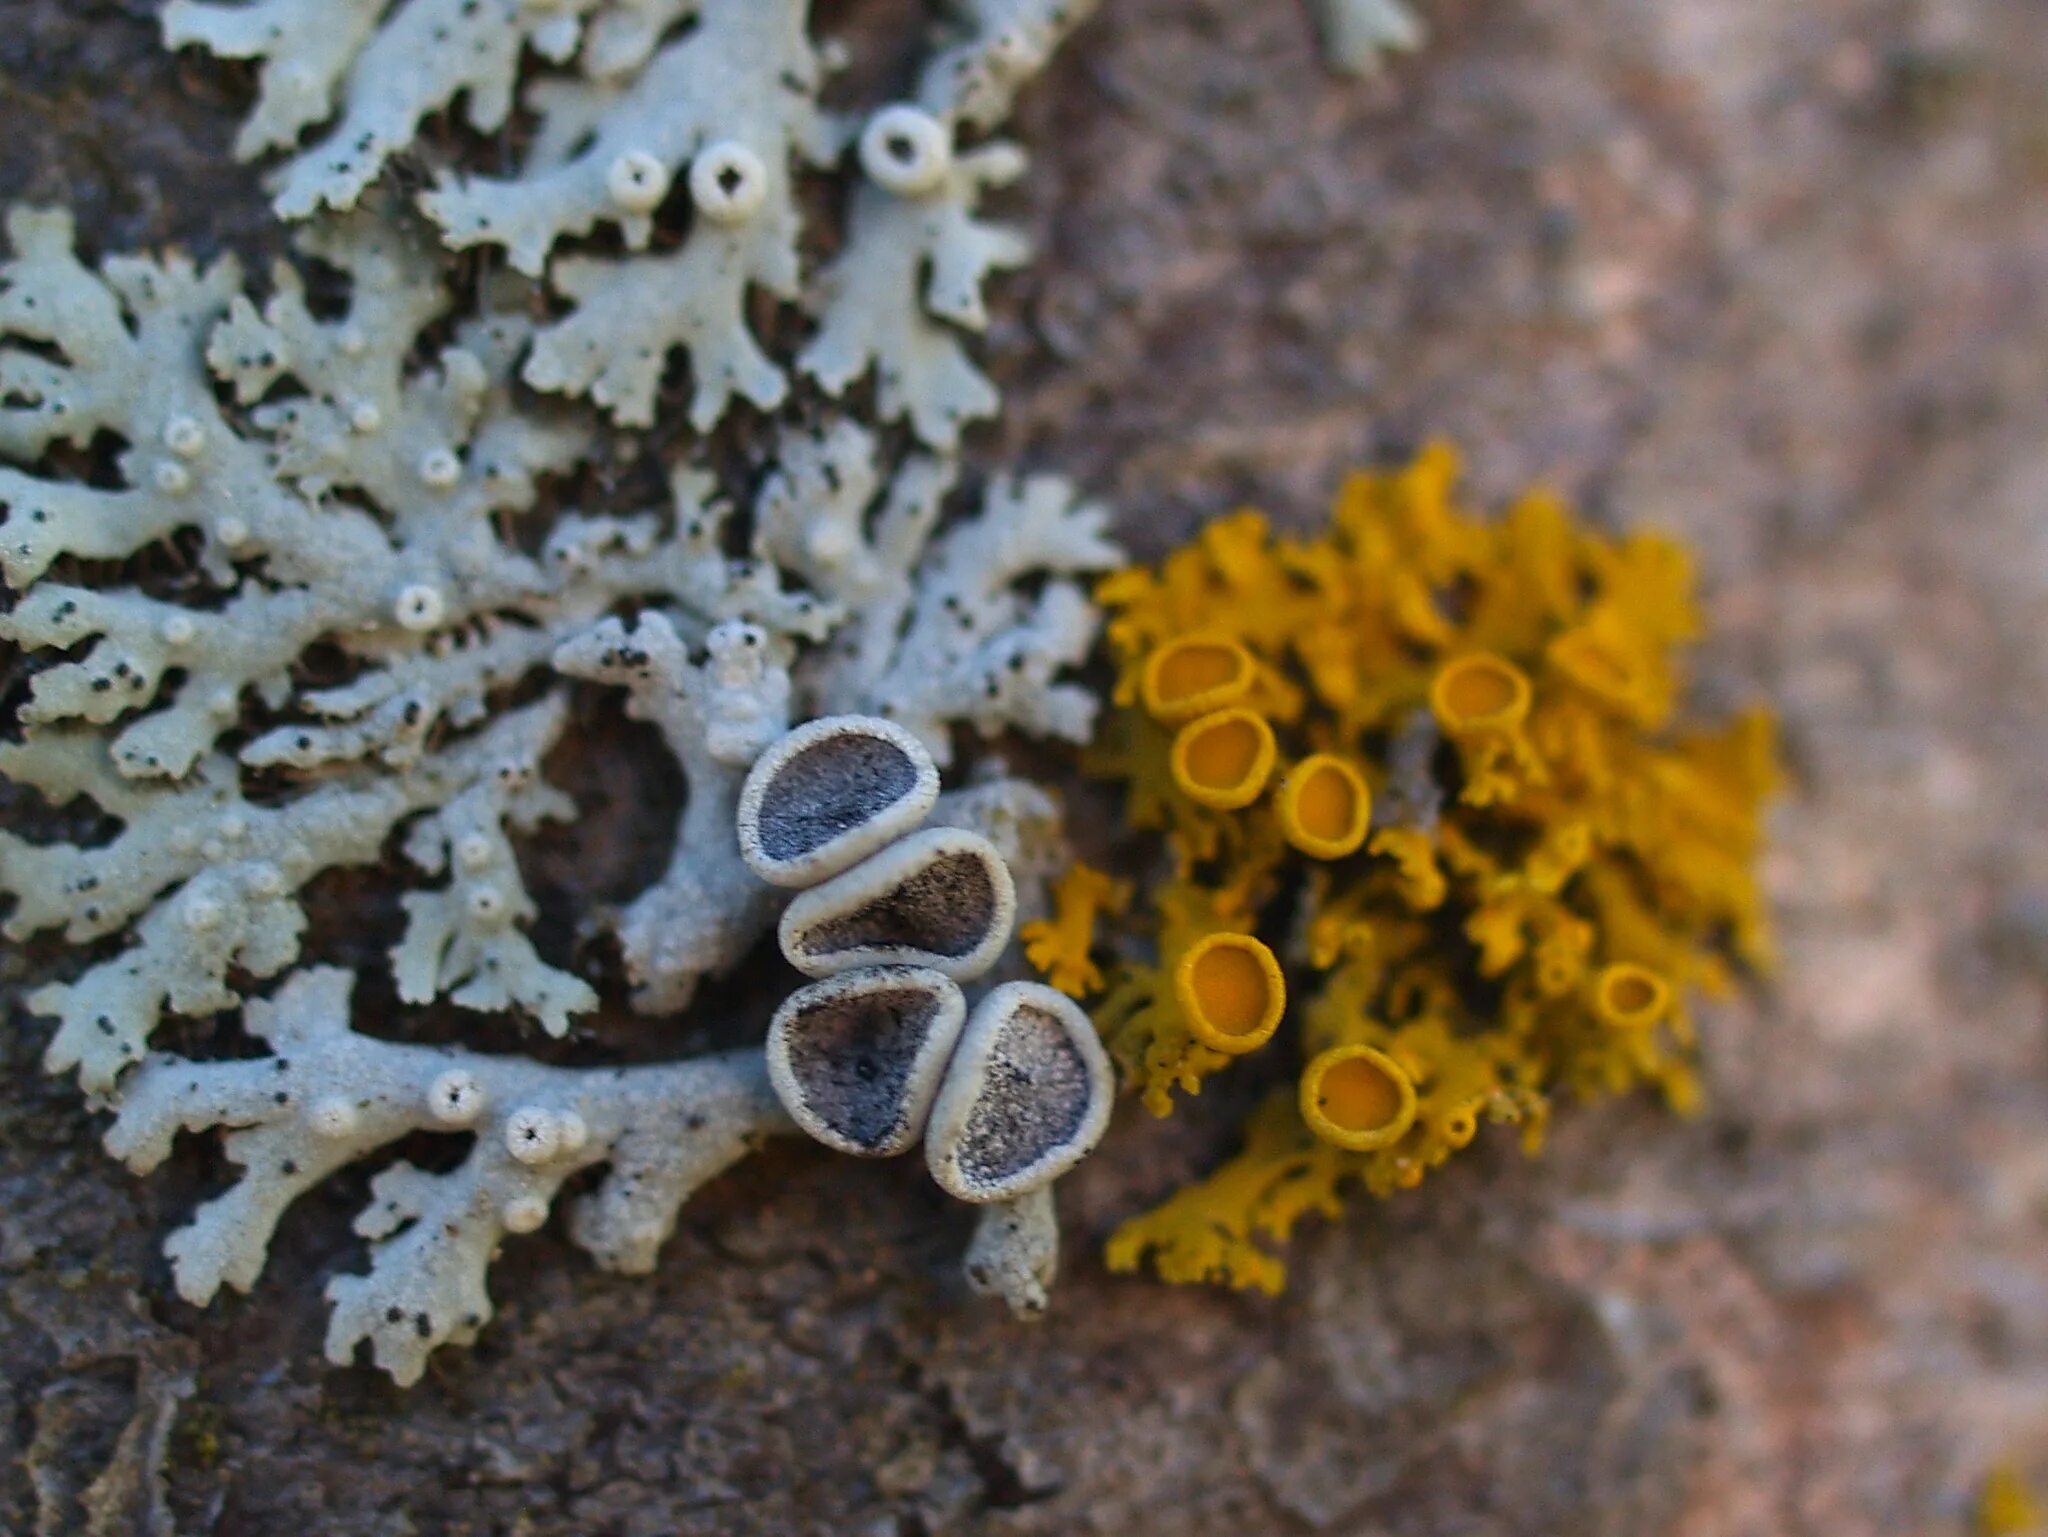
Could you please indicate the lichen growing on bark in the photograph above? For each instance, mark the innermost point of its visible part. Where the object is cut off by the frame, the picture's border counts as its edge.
(302, 585)
(1449, 754)
(683, 126)
(286, 626)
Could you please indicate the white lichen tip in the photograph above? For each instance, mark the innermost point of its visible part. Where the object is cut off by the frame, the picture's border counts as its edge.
(1357, 32)
(455, 1099)
(830, 793)
(856, 1059)
(906, 150)
(1025, 1098)
(360, 651)
(329, 1096)
(1015, 1253)
(728, 182)
(636, 182)
(941, 898)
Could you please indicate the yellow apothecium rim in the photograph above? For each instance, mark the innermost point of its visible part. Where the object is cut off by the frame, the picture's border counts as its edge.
(1357, 1098)
(1230, 992)
(1324, 806)
(1224, 759)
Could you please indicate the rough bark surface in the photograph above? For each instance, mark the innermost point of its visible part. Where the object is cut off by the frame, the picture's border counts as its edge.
(1770, 274)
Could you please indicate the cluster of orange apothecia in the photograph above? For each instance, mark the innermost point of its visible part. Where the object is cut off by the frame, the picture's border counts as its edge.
(1429, 766)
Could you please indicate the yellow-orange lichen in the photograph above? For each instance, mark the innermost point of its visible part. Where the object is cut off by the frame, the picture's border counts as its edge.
(1357, 1098)
(1231, 992)
(1324, 806)
(1222, 760)
(1060, 946)
(1479, 693)
(1508, 862)
(1630, 997)
(1193, 675)
(2007, 1505)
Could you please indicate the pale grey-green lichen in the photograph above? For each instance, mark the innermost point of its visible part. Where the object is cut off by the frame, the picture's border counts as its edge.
(207, 882)
(384, 68)
(897, 299)
(973, 623)
(326, 1096)
(1357, 33)
(349, 499)
(277, 625)
(286, 608)
(683, 126)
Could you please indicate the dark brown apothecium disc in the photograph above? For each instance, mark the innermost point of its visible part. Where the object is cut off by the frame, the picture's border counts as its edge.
(857, 1058)
(830, 793)
(941, 898)
(1025, 1098)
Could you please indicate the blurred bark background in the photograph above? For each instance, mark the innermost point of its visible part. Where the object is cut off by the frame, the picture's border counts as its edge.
(1769, 274)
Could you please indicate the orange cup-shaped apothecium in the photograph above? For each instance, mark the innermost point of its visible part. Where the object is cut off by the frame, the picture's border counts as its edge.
(1480, 692)
(1357, 1098)
(1223, 759)
(1324, 807)
(1630, 997)
(1191, 675)
(1230, 992)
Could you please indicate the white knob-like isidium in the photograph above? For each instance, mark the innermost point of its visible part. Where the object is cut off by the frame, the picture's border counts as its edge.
(524, 1214)
(906, 150)
(1025, 1098)
(184, 437)
(533, 1134)
(455, 1098)
(419, 608)
(333, 1118)
(440, 468)
(941, 898)
(728, 182)
(636, 182)
(830, 793)
(856, 1059)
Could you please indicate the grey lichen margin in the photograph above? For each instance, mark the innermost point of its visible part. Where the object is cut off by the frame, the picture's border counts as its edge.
(328, 1096)
(867, 1088)
(407, 577)
(941, 898)
(726, 110)
(830, 793)
(974, 622)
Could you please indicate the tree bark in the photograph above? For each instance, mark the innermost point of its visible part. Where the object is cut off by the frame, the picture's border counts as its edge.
(1768, 275)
